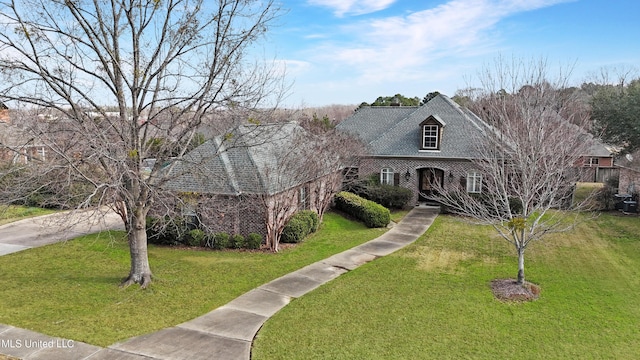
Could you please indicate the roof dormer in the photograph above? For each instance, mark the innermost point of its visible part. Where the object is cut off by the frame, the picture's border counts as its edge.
(431, 133)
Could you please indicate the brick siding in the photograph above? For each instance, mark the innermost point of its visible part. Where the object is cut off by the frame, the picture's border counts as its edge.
(456, 167)
(629, 181)
(243, 214)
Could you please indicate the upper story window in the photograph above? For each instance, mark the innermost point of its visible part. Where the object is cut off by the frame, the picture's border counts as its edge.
(592, 161)
(431, 135)
(386, 176)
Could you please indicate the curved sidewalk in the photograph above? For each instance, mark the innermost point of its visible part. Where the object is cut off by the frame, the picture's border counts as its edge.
(227, 332)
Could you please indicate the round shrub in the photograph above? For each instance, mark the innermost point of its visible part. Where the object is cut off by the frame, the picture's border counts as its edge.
(311, 217)
(253, 241)
(295, 230)
(221, 241)
(196, 238)
(237, 241)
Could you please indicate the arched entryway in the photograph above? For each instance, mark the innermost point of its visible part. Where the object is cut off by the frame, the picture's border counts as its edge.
(429, 180)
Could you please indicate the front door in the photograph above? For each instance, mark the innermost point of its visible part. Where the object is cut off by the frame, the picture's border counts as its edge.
(430, 180)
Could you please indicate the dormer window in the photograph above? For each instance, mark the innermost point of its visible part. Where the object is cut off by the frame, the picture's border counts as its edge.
(431, 134)
(430, 138)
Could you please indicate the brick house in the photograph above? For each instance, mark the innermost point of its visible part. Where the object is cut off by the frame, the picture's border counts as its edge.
(597, 164)
(253, 179)
(436, 143)
(419, 146)
(16, 146)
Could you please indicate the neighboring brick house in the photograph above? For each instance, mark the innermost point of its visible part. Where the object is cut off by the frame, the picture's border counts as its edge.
(597, 164)
(16, 146)
(252, 180)
(436, 143)
(419, 146)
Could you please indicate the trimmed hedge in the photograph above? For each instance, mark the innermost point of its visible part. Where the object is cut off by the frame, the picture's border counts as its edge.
(299, 226)
(177, 231)
(167, 231)
(370, 213)
(389, 196)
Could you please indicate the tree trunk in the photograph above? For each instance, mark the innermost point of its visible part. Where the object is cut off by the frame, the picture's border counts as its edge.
(140, 272)
(272, 238)
(520, 266)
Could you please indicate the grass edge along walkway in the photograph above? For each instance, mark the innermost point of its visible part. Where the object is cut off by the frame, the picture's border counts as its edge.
(432, 300)
(6, 332)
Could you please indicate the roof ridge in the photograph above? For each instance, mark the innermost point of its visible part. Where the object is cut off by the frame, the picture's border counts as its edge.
(466, 113)
(224, 158)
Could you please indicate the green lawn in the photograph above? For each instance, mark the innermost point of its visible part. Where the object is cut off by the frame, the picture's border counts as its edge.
(13, 213)
(586, 190)
(432, 300)
(70, 289)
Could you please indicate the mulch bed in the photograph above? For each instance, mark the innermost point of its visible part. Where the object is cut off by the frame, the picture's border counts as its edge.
(508, 290)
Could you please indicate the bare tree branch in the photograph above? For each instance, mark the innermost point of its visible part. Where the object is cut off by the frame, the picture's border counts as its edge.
(528, 159)
(120, 82)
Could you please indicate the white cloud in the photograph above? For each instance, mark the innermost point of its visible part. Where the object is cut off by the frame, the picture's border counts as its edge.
(292, 67)
(353, 7)
(403, 47)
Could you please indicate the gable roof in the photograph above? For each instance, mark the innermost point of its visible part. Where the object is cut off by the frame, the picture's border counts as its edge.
(252, 159)
(396, 131)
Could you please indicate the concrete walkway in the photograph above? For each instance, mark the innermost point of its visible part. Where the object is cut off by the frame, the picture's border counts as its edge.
(227, 332)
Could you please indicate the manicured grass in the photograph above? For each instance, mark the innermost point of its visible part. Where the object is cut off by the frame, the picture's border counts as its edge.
(70, 290)
(397, 215)
(13, 213)
(432, 300)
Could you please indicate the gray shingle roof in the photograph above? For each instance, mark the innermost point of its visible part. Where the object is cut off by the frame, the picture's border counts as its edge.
(396, 131)
(254, 159)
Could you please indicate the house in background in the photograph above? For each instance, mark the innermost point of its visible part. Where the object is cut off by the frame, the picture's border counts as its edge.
(598, 163)
(252, 179)
(437, 143)
(419, 146)
(16, 146)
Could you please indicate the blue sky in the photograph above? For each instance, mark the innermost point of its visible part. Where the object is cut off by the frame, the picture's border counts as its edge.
(350, 51)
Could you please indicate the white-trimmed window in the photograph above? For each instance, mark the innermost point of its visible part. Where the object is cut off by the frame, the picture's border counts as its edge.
(474, 182)
(386, 176)
(303, 198)
(592, 161)
(42, 153)
(430, 135)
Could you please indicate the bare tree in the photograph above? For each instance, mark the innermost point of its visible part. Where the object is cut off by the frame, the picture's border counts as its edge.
(308, 164)
(117, 82)
(528, 159)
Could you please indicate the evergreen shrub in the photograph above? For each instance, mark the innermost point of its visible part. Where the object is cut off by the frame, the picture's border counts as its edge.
(370, 213)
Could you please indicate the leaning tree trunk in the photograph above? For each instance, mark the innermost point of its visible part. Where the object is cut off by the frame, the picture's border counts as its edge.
(140, 272)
